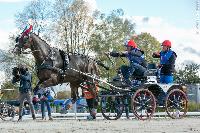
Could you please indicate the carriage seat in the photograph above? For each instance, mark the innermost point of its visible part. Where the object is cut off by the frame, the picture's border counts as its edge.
(151, 70)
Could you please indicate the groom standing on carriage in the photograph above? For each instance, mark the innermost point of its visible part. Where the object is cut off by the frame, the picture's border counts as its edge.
(167, 62)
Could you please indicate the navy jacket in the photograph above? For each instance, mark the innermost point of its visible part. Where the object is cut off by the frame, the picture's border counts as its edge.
(134, 56)
(25, 82)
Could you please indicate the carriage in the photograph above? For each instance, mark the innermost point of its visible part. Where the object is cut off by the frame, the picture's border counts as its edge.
(143, 98)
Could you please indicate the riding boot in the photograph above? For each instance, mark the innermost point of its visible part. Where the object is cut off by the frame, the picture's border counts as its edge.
(20, 118)
(50, 118)
(43, 117)
(33, 116)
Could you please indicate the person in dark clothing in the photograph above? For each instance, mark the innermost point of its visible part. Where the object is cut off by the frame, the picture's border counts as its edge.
(167, 62)
(24, 77)
(136, 60)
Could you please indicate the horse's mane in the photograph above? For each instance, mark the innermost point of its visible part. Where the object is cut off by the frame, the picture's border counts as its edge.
(89, 58)
(41, 39)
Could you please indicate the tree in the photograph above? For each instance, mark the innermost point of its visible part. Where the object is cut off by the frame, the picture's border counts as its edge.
(9, 91)
(110, 33)
(73, 25)
(188, 75)
(39, 13)
(148, 44)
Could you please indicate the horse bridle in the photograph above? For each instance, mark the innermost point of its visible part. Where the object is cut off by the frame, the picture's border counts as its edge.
(22, 40)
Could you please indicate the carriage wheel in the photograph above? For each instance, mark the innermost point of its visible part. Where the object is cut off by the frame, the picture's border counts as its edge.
(112, 107)
(176, 104)
(143, 104)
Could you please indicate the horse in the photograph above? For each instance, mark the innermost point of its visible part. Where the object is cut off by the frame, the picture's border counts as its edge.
(50, 63)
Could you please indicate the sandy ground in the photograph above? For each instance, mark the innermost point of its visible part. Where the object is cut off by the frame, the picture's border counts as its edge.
(58, 125)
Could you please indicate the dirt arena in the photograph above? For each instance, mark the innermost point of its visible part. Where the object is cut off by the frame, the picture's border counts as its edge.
(156, 125)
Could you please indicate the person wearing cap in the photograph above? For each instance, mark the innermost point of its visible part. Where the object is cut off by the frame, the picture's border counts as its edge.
(167, 62)
(24, 77)
(137, 63)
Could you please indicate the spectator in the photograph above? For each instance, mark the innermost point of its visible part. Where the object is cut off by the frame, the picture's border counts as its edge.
(24, 77)
(45, 98)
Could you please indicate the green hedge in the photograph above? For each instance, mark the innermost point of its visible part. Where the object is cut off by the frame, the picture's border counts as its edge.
(193, 107)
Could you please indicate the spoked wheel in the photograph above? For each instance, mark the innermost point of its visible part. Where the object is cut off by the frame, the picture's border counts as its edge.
(112, 107)
(176, 104)
(143, 104)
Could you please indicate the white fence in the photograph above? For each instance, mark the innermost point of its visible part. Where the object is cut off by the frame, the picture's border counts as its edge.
(99, 115)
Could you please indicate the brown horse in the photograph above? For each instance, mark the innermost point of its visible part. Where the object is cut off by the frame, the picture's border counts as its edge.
(50, 63)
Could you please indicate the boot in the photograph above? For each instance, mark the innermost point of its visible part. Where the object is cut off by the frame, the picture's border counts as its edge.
(50, 118)
(20, 118)
(43, 118)
(33, 116)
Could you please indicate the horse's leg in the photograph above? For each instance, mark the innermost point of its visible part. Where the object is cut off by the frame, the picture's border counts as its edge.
(52, 81)
(74, 91)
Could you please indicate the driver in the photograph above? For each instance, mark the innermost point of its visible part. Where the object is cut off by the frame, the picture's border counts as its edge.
(137, 63)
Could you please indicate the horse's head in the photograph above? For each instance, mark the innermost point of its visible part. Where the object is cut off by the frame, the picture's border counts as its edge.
(23, 41)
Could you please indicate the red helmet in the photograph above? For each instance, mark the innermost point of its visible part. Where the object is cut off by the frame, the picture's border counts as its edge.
(167, 43)
(131, 43)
